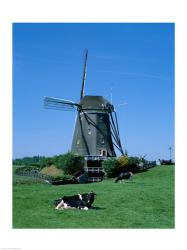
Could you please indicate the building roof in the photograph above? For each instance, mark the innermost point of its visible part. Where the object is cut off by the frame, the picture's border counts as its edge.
(95, 102)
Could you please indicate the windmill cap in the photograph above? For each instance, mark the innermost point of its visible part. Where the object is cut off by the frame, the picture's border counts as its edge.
(96, 103)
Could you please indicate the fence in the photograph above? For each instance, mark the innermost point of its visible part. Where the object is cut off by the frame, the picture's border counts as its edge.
(35, 174)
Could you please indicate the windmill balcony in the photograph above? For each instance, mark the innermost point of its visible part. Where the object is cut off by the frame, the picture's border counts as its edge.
(93, 166)
(95, 158)
(93, 170)
(95, 179)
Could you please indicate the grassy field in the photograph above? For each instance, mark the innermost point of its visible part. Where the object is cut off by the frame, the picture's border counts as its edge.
(147, 202)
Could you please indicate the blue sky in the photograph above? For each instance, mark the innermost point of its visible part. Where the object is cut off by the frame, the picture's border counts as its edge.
(135, 60)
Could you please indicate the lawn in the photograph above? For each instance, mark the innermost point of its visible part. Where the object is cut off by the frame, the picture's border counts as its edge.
(147, 202)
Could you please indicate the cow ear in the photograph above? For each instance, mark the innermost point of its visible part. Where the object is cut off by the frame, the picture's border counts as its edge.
(93, 192)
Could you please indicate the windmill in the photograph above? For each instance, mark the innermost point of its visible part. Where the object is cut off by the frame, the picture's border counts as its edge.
(96, 132)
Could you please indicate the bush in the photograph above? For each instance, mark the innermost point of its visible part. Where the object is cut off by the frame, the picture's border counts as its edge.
(114, 166)
(133, 160)
(52, 171)
(110, 167)
(65, 179)
(70, 163)
(27, 169)
(122, 164)
(122, 161)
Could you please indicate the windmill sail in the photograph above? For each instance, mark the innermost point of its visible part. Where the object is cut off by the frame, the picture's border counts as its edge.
(84, 74)
(60, 104)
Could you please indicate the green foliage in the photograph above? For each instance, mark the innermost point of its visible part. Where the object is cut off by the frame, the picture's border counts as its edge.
(49, 161)
(133, 160)
(27, 169)
(110, 167)
(114, 166)
(65, 177)
(70, 163)
(28, 161)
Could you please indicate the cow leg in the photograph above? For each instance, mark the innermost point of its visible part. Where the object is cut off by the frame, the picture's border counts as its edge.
(84, 208)
(61, 205)
(66, 206)
(131, 178)
(61, 208)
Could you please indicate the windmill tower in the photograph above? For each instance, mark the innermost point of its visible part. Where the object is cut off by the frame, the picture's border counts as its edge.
(96, 131)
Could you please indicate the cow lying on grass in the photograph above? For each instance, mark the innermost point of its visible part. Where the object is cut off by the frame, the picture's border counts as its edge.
(81, 201)
(124, 176)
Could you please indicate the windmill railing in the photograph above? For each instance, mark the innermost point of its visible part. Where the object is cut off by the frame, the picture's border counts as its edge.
(93, 169)
(95, 179)
(95, 158)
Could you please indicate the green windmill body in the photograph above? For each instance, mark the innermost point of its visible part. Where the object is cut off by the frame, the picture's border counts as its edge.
(96, 131)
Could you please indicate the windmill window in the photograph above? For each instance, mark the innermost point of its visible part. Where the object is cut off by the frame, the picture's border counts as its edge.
(89, 131)
(81, 116)
(104, 153)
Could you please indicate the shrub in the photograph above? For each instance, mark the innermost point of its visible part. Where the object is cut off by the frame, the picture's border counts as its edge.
(114, 166)
(49, 161)
(122, 164)
(122, 161)
(65, 179)
(110, 167)
(134, 160)
(134, 164)
(52, 171)
(26, 169)
(70, 163)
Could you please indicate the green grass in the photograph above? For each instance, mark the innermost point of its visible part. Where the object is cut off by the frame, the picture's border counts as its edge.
(147, 202)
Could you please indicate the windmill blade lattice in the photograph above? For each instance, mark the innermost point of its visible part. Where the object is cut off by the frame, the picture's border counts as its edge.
(84, 74)
(59, 104)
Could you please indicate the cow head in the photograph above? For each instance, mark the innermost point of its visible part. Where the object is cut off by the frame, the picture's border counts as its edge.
(90, 199)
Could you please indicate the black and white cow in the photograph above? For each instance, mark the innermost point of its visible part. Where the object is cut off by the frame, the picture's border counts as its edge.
(124, 176)
(81, 201)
